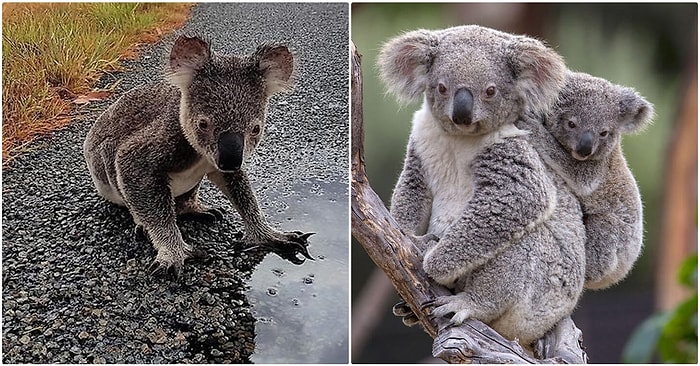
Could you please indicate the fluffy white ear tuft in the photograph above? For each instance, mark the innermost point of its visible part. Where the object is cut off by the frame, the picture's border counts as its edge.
(404, 63)
(540, 72)
(276, 63)
(635, 112)
(189, 54)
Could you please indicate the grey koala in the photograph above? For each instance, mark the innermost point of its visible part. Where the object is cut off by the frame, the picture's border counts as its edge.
(150, 150)
(511, 235)
(580, 138)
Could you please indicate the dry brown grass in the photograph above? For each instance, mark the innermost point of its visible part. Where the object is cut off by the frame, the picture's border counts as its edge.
(53, 53)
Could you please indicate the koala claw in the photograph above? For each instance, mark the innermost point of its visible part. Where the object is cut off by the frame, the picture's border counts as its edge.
(170, 271)
(427, 304)
(288, 248)
(408, 317)
(455, 304)
(210, 215)
(140, 233)
(170, 264)
(401, 308)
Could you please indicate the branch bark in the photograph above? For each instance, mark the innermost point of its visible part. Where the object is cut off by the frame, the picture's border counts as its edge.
(394, 253)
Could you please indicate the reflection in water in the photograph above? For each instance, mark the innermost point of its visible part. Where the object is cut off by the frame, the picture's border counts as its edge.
(302, 311)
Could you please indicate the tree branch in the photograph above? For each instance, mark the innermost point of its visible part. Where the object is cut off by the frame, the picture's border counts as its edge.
(394, 253)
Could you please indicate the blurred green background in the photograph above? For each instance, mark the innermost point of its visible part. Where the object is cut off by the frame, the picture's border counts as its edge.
(650, 47)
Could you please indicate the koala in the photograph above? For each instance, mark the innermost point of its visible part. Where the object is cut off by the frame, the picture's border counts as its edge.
(150, 150)
(580, 138)
(494, 222)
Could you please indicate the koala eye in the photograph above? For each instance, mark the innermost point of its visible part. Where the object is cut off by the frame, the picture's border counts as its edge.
(255, 131)
(203, 124)
(442, 89)
(572, 124)
(604, 133)
(490, 91)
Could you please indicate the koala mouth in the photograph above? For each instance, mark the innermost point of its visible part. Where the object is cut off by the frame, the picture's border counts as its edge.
(578, 156)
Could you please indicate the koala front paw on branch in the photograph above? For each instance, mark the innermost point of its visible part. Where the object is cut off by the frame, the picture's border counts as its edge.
(150, 150)
(511, 232)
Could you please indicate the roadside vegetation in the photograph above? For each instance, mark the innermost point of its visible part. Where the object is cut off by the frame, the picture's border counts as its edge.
(52, 54)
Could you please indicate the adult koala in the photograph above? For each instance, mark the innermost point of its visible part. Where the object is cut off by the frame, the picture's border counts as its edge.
(494, 223)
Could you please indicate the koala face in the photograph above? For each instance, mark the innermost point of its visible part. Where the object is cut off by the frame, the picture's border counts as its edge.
(226, 112)
(472, 96)
(224, 98)
(592, 113)
(474, 79)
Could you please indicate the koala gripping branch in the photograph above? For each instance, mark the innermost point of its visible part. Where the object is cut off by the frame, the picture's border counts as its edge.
(393, 252)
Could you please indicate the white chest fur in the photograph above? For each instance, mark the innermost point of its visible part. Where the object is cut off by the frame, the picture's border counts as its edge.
(183, 181)
(447, 162)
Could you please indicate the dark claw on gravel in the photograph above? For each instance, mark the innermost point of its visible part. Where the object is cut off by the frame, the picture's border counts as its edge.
(139, 233)
(208, 216)
(219, 213)
(170, 272)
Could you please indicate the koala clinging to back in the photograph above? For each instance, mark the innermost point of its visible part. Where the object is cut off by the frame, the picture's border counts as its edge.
(511, 235)
(151, 149)
(580, 138)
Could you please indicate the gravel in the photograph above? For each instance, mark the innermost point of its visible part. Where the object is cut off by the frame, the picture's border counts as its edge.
(75, 286)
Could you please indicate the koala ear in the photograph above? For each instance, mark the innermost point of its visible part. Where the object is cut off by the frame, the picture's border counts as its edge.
(276, 63)
(189, 54)
(635, 112)
(540, 72)
(404, 63)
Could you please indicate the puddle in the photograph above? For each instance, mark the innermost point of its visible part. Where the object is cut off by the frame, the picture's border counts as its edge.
(302, 311)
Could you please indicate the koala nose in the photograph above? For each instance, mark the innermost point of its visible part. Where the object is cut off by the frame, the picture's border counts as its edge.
(462, 107)
(230, 151)
(584, 148)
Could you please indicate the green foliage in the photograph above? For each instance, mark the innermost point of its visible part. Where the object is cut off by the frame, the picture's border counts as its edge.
(673, 336)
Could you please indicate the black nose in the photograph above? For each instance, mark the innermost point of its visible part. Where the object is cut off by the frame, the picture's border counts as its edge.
(585, 144)
(462, 107)
(230, 151)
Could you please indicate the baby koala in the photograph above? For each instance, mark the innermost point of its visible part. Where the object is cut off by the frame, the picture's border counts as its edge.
(151, 149)
(580, 139)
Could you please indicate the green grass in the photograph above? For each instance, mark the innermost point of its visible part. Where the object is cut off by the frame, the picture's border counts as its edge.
(53, 53)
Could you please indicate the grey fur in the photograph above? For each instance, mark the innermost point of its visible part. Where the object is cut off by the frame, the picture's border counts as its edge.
(511, 236)
(588, 108)
(151, 149)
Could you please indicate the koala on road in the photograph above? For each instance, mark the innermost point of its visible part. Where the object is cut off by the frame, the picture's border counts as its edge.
(151, 149)
(494, 222)
(580, 138)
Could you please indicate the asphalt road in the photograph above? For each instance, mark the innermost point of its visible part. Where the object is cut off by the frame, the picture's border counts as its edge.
(74, 281)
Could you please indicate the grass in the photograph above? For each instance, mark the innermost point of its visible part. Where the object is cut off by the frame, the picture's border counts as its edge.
(53, 53)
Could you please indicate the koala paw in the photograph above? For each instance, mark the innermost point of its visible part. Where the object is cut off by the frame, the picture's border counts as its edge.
(169, 263)
(425, 242)
(457, 304)
(288, 245)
